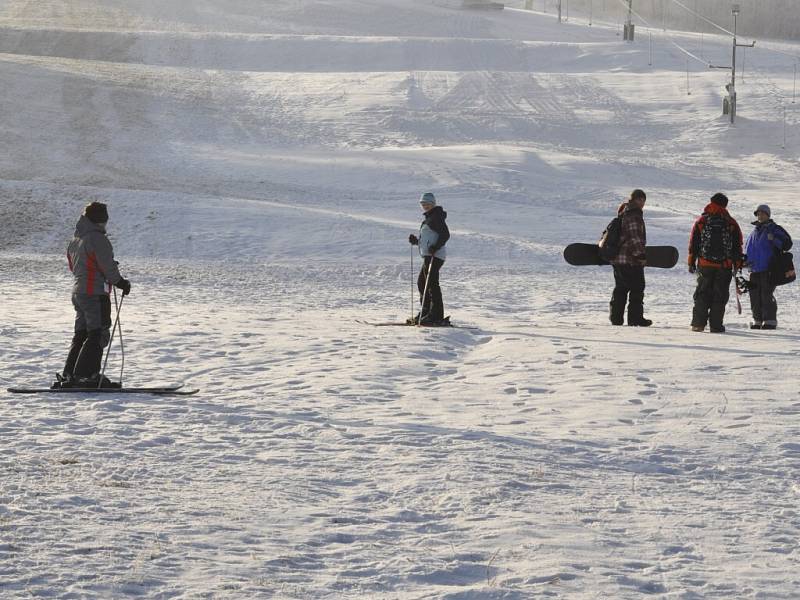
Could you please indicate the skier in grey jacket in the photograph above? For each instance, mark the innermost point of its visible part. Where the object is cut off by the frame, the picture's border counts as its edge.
(433, 235)
(91, 260)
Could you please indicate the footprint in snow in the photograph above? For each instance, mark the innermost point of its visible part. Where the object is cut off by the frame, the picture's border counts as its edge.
(536, 390)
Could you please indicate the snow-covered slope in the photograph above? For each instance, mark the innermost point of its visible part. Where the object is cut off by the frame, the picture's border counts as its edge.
(262, 163)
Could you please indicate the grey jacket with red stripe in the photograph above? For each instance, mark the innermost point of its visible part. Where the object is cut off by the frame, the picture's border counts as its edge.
(91, 259)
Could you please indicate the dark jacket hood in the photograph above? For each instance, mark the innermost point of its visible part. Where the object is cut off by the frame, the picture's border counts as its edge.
(85, 226)
(436, 211)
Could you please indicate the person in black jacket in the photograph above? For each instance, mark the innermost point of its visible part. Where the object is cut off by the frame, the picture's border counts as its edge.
(433, 235)
(715, 254)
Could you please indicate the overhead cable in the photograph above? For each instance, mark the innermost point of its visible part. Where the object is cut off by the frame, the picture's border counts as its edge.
(671, 40)
(697, 14)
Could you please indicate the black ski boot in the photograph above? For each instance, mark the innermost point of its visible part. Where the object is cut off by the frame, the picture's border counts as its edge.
(636, 315)
(62, 381)
(641, 323)
(95, 381)
(435, 321)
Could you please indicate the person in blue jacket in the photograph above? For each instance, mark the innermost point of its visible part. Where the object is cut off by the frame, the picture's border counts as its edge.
(765, 241)
(433, 235)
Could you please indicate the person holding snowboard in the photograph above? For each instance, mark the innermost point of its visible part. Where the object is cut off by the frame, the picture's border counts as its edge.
(91, 260)
(433, 235)
(715, 252)
(629, 264)
(763, 244)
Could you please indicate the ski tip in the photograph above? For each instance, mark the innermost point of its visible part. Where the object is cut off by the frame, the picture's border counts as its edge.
(183, 392)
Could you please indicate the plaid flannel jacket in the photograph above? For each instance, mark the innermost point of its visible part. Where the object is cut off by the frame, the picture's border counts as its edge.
(633, 239)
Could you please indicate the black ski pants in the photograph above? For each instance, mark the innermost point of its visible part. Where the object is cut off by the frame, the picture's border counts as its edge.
(92, 333)
(628, 289)
(711, 296)
(762, 299)
(432, 305)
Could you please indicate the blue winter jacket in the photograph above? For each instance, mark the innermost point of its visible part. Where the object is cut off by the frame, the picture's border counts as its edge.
(763, 243)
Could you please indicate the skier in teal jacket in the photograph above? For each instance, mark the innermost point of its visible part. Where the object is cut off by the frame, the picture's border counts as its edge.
(433, 235)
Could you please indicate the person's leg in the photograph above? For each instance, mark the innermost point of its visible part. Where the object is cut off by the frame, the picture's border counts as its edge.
(722, 293)
(755, 300)
(78, 339)
(97, 312)
(423, 272)
(636, 285)
(436, 311)
(769, 306)
(703, 296)
(619, 297)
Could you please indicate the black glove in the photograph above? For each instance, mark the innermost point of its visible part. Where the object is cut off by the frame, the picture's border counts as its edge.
(124, 285)
(692, 268)
(413, 240)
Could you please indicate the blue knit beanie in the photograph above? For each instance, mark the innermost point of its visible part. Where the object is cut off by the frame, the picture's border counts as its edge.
(428, 198)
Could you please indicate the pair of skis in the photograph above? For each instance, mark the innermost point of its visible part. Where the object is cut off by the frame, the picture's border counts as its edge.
(445, 323)
(168, 390)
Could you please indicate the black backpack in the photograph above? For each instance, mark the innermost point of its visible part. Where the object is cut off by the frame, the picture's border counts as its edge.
(610, 239)
(781, 271)
(716, 241)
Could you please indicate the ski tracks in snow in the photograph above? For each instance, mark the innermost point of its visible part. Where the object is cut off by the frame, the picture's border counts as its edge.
(327, 455)
(544, 453)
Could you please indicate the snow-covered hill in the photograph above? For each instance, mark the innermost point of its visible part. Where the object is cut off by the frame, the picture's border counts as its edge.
(262, 163)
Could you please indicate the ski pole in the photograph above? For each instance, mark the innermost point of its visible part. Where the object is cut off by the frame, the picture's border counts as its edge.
(121, 345)
(425, 293)
(738, 292)
(412, 283)
(113, 331)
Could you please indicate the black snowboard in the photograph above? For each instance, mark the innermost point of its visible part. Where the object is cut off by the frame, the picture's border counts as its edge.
(663, 257)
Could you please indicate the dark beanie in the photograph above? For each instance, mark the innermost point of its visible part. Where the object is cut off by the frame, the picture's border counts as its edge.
(637, 194)
(720, 199)
(96, 212)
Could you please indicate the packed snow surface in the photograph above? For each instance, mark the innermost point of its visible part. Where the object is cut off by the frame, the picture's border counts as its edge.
(262, 162)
